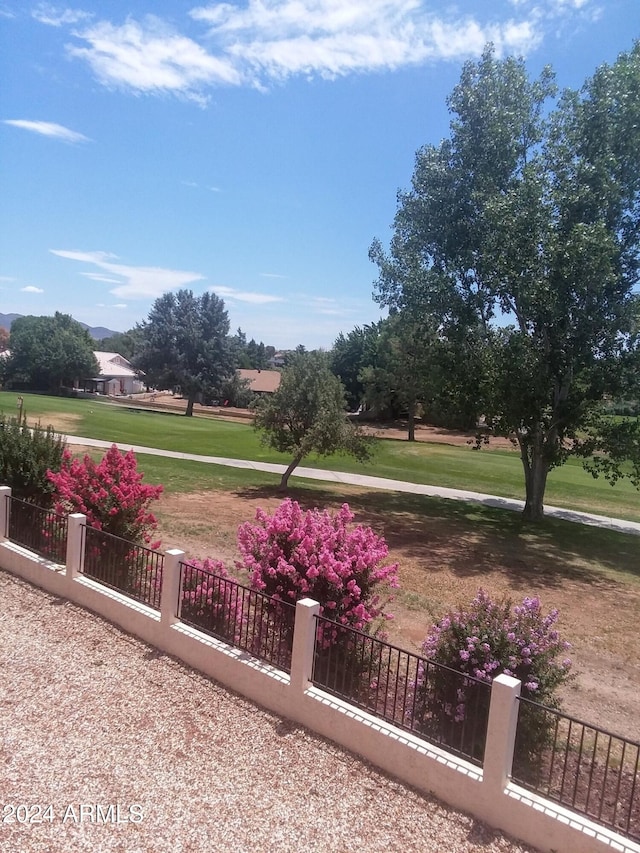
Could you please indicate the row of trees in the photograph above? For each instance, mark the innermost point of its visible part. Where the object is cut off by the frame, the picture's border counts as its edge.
(510, 281)
(184, 343)
(401, 368)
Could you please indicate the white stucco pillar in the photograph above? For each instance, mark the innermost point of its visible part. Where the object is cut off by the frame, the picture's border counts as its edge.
(5, 510)
(170, 592)
(304, 633)
(501, 732)
(75, 550)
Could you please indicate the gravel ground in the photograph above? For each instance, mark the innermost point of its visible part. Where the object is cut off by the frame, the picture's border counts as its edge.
(91, 716)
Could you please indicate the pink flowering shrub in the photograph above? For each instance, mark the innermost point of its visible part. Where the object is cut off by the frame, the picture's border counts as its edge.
(294, 554)
(210, 599)
(110, 493)
(481, 642)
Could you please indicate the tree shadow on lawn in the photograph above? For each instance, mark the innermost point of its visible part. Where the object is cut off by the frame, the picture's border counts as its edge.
(471, 539)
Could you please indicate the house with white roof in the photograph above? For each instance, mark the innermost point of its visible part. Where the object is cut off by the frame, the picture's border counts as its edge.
(116, 378)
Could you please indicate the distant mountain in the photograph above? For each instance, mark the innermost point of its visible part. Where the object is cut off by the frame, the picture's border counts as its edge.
(96, 332)
(7, 319)
(99, 332)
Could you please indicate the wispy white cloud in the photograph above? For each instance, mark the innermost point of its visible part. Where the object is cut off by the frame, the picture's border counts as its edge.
(132, 282)
(31, 289)
(330, 38)
(96, 276)
(150, 57)
(54, 16)
(244, 296)
(261, 41)
(197, 186)
(48, 128)
(272, 275)
(328, 307)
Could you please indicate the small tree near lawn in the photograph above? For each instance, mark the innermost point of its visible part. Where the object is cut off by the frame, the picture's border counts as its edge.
(307, 414)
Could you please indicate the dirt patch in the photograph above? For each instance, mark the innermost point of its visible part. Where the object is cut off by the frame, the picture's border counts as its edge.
(61, 423)
(442, 564)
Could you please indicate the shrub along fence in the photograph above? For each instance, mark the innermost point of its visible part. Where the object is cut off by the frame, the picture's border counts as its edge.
(40, 530)
(402, 688)
(237, 615)
(418, 720)
(132, 569)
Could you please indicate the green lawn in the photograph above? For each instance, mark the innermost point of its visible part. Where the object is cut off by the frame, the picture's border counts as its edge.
(497, 472)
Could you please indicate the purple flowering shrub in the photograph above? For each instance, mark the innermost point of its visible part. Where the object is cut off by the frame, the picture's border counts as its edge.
(294, 554)
(479, 643)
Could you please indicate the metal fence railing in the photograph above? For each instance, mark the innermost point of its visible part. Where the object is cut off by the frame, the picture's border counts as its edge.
(578, 765)
(237, 615)
(132, 569)
(583, 767)
(40, 530)
(439, 704)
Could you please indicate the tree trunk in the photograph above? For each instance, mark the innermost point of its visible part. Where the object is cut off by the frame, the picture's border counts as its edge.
(536, 469)
(189, 411)
(284, 482)
(411, 421)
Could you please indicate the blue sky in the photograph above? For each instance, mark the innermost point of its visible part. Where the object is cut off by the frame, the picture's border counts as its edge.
(254, 148)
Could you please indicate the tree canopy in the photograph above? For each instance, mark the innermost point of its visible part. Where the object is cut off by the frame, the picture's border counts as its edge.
(125, 344)
(48, 353)
(184, 344)
(307, 414)
(519, 238)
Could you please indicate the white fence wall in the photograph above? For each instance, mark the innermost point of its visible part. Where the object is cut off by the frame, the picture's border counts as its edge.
(486, 793)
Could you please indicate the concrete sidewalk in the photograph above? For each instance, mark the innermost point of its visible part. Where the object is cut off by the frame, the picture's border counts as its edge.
(383, 483)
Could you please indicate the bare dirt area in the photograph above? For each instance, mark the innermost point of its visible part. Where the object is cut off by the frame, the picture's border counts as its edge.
(442, 563)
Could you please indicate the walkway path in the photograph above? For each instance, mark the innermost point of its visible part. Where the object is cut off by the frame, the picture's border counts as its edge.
(378, 483)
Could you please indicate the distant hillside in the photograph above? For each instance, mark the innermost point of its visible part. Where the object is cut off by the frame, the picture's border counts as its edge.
(96, 332)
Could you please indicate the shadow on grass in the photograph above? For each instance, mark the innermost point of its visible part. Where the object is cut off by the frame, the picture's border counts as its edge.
(474, 539)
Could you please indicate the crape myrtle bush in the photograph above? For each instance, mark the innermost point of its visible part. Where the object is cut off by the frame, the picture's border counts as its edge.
(110, 493)
(210, 598)
(483, 641)
(294, 554)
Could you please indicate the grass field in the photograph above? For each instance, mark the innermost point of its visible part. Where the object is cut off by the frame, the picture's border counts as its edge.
(491, 471)
(445, 549)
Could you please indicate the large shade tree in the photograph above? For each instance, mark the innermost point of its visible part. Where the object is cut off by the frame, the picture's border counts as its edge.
(49, 353)
(349, 355)
(184, 344)
(307, 414)
(523, 227)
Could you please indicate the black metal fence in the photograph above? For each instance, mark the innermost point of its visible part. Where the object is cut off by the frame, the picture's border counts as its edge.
(435, 702)
(40, 530)
(132, 569)
(580, 766)
(237, 615)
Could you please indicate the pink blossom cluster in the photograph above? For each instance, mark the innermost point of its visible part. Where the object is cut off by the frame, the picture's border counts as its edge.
(293, 554)
(110, 493)
(490, 638)
(210, 596)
